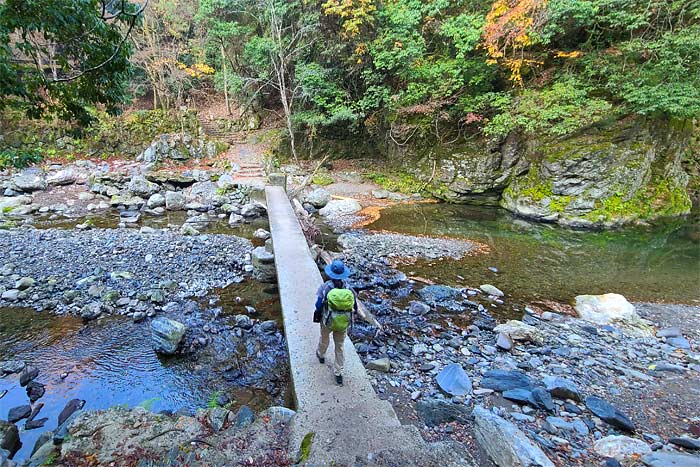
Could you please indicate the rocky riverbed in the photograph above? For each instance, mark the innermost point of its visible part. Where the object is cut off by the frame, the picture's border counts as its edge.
(152, 313)
(579, 392)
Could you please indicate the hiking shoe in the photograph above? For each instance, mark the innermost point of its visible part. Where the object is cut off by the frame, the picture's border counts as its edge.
(339, 380)
(320, 358)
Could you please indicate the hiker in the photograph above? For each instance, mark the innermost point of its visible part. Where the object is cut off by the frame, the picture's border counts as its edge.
(335, 306)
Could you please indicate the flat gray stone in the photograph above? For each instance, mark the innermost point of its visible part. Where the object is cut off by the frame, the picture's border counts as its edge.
(454, 380)
(670, 459)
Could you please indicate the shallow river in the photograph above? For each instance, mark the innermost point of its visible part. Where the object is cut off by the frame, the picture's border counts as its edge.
(542, 261)
(110, 362)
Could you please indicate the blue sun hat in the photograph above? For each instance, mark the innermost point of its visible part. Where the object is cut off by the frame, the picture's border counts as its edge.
(337, 270)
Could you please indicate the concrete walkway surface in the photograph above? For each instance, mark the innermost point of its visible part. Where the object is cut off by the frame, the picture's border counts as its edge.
(352, 426)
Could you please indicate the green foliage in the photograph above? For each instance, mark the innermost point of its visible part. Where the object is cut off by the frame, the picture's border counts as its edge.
(322, 179)
(18, 158)
(214, 400)
(558, 110)
(306, 447)
(148, 403)
(89, 57)
(401, 182)
(107, 136)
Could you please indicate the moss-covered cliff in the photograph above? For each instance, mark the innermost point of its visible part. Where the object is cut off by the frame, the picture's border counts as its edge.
(621, 172)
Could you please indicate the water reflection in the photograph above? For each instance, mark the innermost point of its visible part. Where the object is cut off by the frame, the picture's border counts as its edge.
(543, 261)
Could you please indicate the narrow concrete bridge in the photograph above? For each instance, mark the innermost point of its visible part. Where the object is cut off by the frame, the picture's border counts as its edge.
(351, 425)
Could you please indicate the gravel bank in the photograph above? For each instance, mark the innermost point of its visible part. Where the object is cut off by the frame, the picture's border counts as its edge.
(109, 270)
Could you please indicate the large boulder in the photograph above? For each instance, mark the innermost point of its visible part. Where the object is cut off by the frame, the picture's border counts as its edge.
(340, 207)
(139, 186)
(318, 198)
(174, 201)
(63, 177)
(131, 202)
(505, 444)
(30, 180)
(9, 203)
(612, 309)
(628, 171)
(166, 335)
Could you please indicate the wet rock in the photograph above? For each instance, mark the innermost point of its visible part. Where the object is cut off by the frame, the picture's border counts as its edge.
(454, 380)
(35, 423)
(381, 364)
(43, 438)
(18, 413)
(562, 388)
(340, 207)
(503, 380)
(670, 459)
(62, 431)
(612, 309)
(519, 331)
(11, 366)
(318, 198)
(166, 335)
(44, 455)
(435, 412)
(440, 295)
(244, 417)
(621, 448)
(491, 290)
(609, 414)
(9, 437)
(687, 443)
(264, 265)
(92, 311)
(35, 391)
(505, 444)
(28, 374)
(71, 407)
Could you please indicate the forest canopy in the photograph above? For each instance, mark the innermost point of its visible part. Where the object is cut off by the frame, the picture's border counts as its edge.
(345, 67)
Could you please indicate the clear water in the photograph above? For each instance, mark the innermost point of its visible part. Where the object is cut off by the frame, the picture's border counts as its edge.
(541, 261)
(109, 362)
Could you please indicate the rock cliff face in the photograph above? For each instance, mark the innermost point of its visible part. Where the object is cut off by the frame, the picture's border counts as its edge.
(624, 172)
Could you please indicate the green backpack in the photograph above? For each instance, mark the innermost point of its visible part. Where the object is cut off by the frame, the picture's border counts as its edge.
(340, 305)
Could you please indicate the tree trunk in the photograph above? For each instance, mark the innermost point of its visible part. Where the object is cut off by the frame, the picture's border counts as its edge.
(223, 65)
